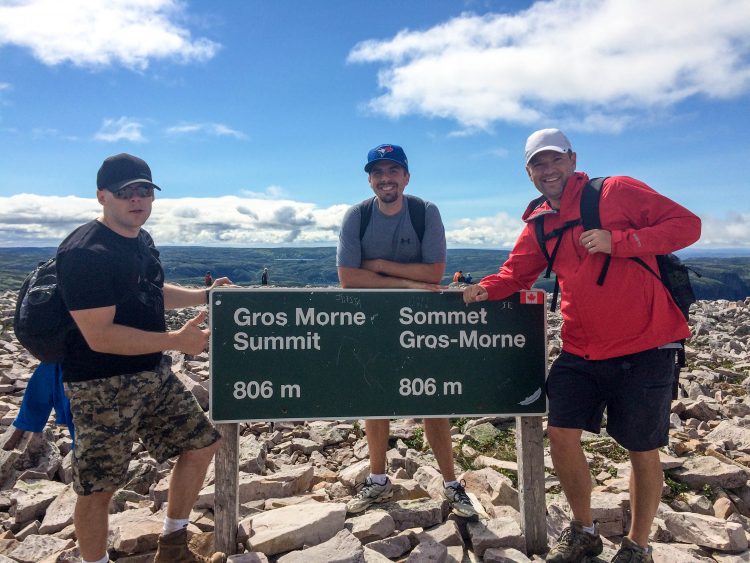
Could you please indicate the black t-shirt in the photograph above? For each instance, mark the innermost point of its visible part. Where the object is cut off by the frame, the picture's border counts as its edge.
(96, 267)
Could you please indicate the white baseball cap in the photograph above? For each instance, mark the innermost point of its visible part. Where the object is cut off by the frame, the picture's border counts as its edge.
(546, 140)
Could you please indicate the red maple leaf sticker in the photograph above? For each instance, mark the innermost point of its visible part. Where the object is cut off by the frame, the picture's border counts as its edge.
(532, 297)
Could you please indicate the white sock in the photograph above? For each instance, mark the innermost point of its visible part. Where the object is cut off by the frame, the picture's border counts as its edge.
(450, 484)
(590, 529)
(378, 478)
(104, 559)
(173, 524)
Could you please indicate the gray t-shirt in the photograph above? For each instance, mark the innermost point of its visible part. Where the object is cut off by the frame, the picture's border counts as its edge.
(391, 237)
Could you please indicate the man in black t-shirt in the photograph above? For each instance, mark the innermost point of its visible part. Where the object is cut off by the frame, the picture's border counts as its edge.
(120, 385)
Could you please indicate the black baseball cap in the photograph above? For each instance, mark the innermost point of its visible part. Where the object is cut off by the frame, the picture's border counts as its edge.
(122, 170)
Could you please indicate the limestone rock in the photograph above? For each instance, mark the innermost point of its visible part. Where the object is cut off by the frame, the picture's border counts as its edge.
(706, 470)
(504, 555)
(706, 531)
(428, 551)
(371, 526)
(497, 532)
(341, 548)
(59, 513)
(35, 548)
(420, 513)
(391, 547)
(292, 527)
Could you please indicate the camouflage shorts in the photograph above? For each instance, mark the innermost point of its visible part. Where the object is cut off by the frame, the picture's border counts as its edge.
(111, 413)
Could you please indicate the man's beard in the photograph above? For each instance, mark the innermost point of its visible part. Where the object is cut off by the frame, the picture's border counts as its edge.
(388, 197)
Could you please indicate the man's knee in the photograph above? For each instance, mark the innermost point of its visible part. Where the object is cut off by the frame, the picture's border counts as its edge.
(208, 451)
(564, 437)
(201, 454)
(437, 428)
(646, 459)
(98, 501)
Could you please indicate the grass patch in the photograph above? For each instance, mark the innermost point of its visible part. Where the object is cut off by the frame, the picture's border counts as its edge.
(709, 492)
(503, 446)
(608, 448)
(676, 489)
(459, 423)
(416, 442)
(462, 460)
(357, 429)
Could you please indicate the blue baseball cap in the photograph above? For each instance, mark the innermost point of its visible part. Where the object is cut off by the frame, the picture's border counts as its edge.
(386, 152)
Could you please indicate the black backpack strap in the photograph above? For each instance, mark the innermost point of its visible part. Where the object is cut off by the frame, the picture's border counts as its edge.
(649, 268)
(590, 219)
(365, 213)
(417, 214)
(542, 239)
(592, 191)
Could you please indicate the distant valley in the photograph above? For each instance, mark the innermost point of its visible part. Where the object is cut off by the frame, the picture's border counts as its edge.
(722, 277)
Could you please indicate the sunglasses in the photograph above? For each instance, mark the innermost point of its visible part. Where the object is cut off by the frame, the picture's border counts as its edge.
(129, 192)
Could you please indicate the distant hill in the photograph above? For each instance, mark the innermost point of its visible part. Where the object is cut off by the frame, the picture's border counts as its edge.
(722, 277)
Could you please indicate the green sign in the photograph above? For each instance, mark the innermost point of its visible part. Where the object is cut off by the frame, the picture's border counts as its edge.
(304, 354)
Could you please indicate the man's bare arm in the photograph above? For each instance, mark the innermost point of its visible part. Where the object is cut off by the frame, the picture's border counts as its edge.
(428, 273)
(367, 279)
(103, 335)
(176, 297)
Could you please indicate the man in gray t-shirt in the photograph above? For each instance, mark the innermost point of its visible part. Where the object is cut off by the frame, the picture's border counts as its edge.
(391, 255)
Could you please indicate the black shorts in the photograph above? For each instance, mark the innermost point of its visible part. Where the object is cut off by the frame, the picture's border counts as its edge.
(636, 390)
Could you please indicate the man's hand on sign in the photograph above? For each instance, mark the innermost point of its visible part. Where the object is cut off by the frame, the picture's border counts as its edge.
(475, 293)
(414, 284)
(222, 281)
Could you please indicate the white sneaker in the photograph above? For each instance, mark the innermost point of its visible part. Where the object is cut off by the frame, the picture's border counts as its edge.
(460, 501)
(370, 493)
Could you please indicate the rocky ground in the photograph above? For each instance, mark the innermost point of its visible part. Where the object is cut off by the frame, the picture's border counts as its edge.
(296, 478)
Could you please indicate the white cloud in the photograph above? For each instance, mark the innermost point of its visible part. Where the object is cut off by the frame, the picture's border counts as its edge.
(585, 64)
(498, 231)
(38, 133)
(271, 192)
(90, 33)
(122, 129)
(732, 230)
(34, 220)
(212, 129)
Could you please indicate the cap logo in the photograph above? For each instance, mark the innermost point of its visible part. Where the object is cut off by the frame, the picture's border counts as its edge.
(382, 151)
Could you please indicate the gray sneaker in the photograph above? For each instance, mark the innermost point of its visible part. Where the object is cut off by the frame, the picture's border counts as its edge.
(631, 552)
(370, 493)
(460, 501)
(574, 544)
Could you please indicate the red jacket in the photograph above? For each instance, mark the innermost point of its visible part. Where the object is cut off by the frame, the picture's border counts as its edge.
(632, 311)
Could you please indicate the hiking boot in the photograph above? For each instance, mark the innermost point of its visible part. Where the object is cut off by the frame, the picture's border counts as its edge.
(460, 501)
(173, 548)
(370, 493)
(631, 552)
(574, 544)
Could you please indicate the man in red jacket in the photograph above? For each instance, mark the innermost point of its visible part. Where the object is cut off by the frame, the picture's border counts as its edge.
(619, 338)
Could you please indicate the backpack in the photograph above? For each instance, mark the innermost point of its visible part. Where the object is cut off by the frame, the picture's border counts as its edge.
(672, 272)
(41, 321)
(416, 214)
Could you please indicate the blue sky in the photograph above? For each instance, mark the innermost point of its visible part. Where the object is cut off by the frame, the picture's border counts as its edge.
(256, 117)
